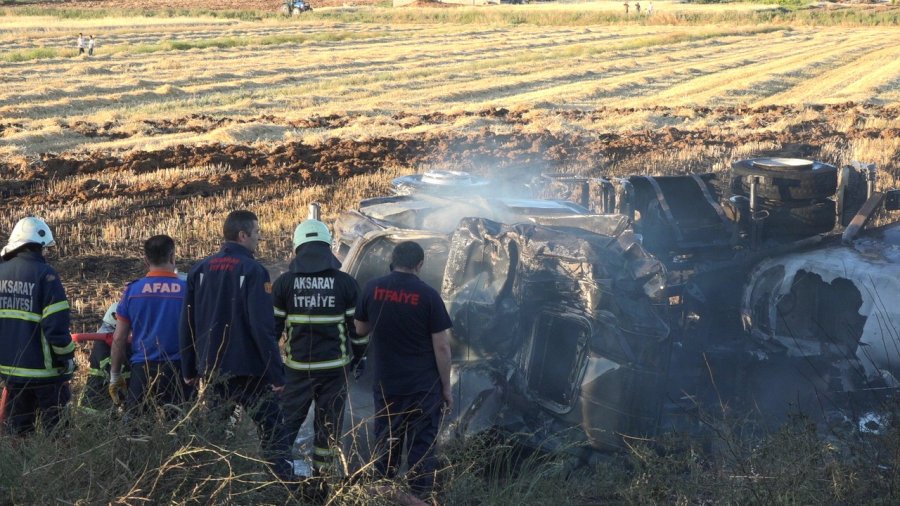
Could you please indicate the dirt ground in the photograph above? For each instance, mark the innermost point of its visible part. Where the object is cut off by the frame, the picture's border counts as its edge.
(340, 158)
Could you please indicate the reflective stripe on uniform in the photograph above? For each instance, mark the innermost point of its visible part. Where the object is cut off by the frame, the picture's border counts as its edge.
(280, 313)
(315, 319)
(56, 307)
(322, 457)
(63, 350)
(20, 315)
(29, 373)
(316, 366)
(350, 312)
(322, 452)
(361, 341)
(320, 465)
(343, 360)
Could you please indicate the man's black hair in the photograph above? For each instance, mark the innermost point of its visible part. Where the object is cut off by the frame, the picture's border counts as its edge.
(238, 221)
(159, 249)
(407, 255)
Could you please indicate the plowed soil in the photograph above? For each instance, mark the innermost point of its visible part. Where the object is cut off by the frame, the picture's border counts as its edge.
(342, 158)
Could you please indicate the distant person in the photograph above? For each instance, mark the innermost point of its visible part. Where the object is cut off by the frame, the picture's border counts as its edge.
(637, 8)
(80, 44)
(626, 8)
(90, 46)
(149, 310)
(37, 357)
(411, 343)
(227, 337)
(650, 9)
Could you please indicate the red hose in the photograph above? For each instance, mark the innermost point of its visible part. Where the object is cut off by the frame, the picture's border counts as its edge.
(106, 337)
(4, 397)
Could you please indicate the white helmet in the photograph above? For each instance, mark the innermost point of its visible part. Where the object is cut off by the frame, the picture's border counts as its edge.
(30, 230)
(110, 317)
(309, 231)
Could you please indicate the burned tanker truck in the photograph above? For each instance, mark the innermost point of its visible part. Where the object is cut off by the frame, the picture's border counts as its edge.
(590, 310)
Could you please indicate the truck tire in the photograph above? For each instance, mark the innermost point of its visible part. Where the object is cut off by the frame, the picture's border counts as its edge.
(791, 182)
(797, 220)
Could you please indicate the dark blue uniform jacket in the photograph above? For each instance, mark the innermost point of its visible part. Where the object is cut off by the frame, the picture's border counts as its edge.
(34, 321)
(227, 323)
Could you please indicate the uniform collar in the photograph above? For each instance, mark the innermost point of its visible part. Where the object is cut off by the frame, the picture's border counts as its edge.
(161, 274)
(29, 255)
(233, 247)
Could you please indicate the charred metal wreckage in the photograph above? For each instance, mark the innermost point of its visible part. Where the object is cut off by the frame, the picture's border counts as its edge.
(592, 310)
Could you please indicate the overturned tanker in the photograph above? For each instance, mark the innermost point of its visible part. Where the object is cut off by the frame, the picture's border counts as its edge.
(595, 310)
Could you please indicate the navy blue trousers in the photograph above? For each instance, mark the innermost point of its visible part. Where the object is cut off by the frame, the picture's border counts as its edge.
(330, 394)
(255, 395)
(32, 402)
(414, 421)
(154, 384)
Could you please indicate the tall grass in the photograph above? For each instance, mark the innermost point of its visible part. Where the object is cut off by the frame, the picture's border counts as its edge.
(98, 458)
(38, 53)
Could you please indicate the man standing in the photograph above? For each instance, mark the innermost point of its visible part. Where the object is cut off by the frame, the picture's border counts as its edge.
(316, 301)
(80, 44)
(411, 346)
(90, 46)
(37, 356)
(228, 337)
(149, 310)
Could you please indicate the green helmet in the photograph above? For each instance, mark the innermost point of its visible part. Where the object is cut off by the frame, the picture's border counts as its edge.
(310, 231)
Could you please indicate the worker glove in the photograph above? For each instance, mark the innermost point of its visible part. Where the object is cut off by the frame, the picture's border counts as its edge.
(69, 367)
(359, 367)
(117, 388)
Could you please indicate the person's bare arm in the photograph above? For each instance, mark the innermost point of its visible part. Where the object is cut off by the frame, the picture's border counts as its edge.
(362, 328)
(441, 343)
(119, 344)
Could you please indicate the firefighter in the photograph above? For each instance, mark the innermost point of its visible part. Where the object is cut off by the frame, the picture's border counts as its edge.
(411, 344)
(315, 301)
(95, 394)
(227, 337)
(149, 310)
(37, 356)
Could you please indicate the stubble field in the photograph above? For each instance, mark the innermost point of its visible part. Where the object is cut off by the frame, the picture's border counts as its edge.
(183, 114)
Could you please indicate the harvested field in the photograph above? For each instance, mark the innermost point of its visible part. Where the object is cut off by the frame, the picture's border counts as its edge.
(177, 119)
(187, 112)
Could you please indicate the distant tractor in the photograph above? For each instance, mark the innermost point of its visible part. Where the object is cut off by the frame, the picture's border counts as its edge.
(295, 7)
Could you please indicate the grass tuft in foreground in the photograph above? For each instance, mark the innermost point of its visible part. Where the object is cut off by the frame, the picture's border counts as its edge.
(192, 459)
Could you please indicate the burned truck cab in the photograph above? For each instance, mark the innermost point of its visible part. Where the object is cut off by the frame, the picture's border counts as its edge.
(558, 312)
